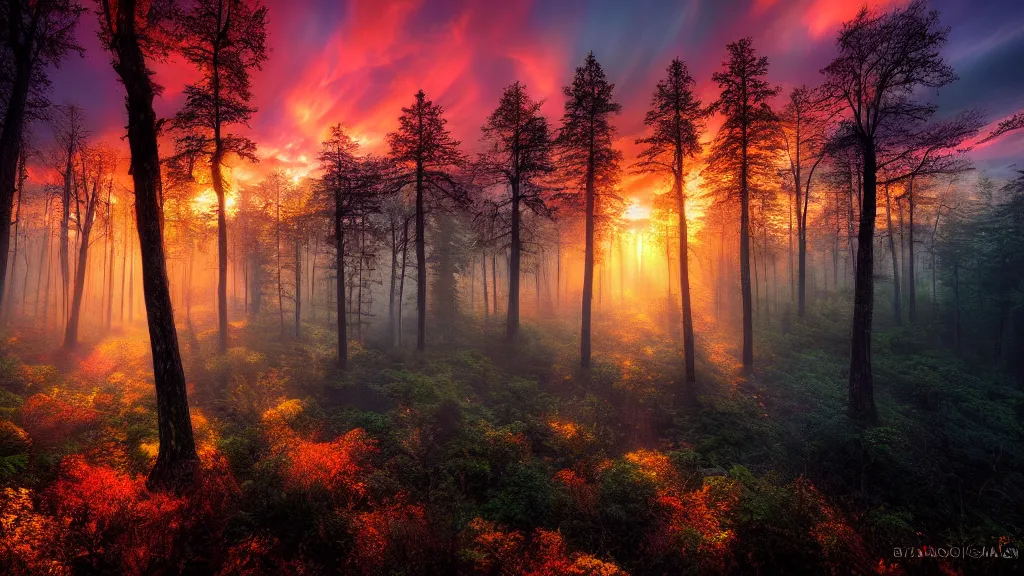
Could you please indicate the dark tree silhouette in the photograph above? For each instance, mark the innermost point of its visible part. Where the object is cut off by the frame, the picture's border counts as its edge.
(425, 151)
(883, 59)
(804, 122)
(517, 155)
(590, 162)
(133, 32)
(676, 120)
(352, 187)
(95, 164)
(750, 128)
(36, 34)
(225, 40)
(1015, 122)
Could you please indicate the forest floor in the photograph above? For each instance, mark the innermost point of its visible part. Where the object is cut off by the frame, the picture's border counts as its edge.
(477, 457)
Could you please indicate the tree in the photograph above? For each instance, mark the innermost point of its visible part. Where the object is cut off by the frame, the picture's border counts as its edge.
(804, 129)
(1015, 122)
(424, 149)
(225, 40)
(352, 185)
(36, 34)
(589, 161)
(517, 154)
(95, 164)
(921, 150)
(883, 59)
(71, 137)
(133, 32)
(747, 135)
(676, 120)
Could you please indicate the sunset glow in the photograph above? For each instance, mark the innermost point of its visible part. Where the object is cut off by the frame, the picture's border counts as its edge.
(517, 288)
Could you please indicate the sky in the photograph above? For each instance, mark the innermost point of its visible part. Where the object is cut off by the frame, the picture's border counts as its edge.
(359, 61)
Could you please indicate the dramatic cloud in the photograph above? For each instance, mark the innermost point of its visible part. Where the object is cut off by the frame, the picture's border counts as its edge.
(359, 61)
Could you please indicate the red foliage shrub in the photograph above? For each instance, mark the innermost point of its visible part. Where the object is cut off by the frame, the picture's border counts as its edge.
(50, 419)
(841, 546)
(583, 493)
(256, 556)
(29, 541)
(393, 537)
(338, 466)
(115, 525)
(494, 550)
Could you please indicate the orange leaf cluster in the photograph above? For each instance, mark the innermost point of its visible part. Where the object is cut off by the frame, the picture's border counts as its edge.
(583, 493)
(498, 551)
(391, 537)
(52, 418)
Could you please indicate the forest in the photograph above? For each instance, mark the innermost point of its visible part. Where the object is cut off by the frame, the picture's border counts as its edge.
(759, 318)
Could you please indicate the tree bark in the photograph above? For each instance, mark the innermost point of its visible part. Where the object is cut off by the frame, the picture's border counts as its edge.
(512, 321)
(71, 330)
(862, 400)
(177, 461)
(339, 237)
(684, 273)
(217, 179)
(897, 310)
(421, 264)
(748, 323)
(10, 151)
(298, 284)
(588, 266)
(911, 276)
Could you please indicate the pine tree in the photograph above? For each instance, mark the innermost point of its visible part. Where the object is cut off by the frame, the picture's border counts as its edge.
(517, 155)
(590, 162)
(676, 120)
(353, 188)
(425, 151)
(225, 40)
(739, 150)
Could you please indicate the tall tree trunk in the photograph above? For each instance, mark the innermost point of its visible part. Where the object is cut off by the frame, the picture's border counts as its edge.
(298, 284)
(494, 283)
(17, 226)
(110, 238)
(44, 256)
(588, 266)
(862, 399)
(512, 321)
(487, 303)
(280, 287)
(71, 330)
(897, 310)
(65, 271)
(339, 237)
(10, 151)
(401, 279)
(177, 461)
(748, 325)
(421, 264)
(684, 273)
(393, 287)
(911, 276)
(217, 179)
(131, 283)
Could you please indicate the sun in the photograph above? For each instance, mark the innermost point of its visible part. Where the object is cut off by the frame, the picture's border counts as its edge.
(637, 211)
